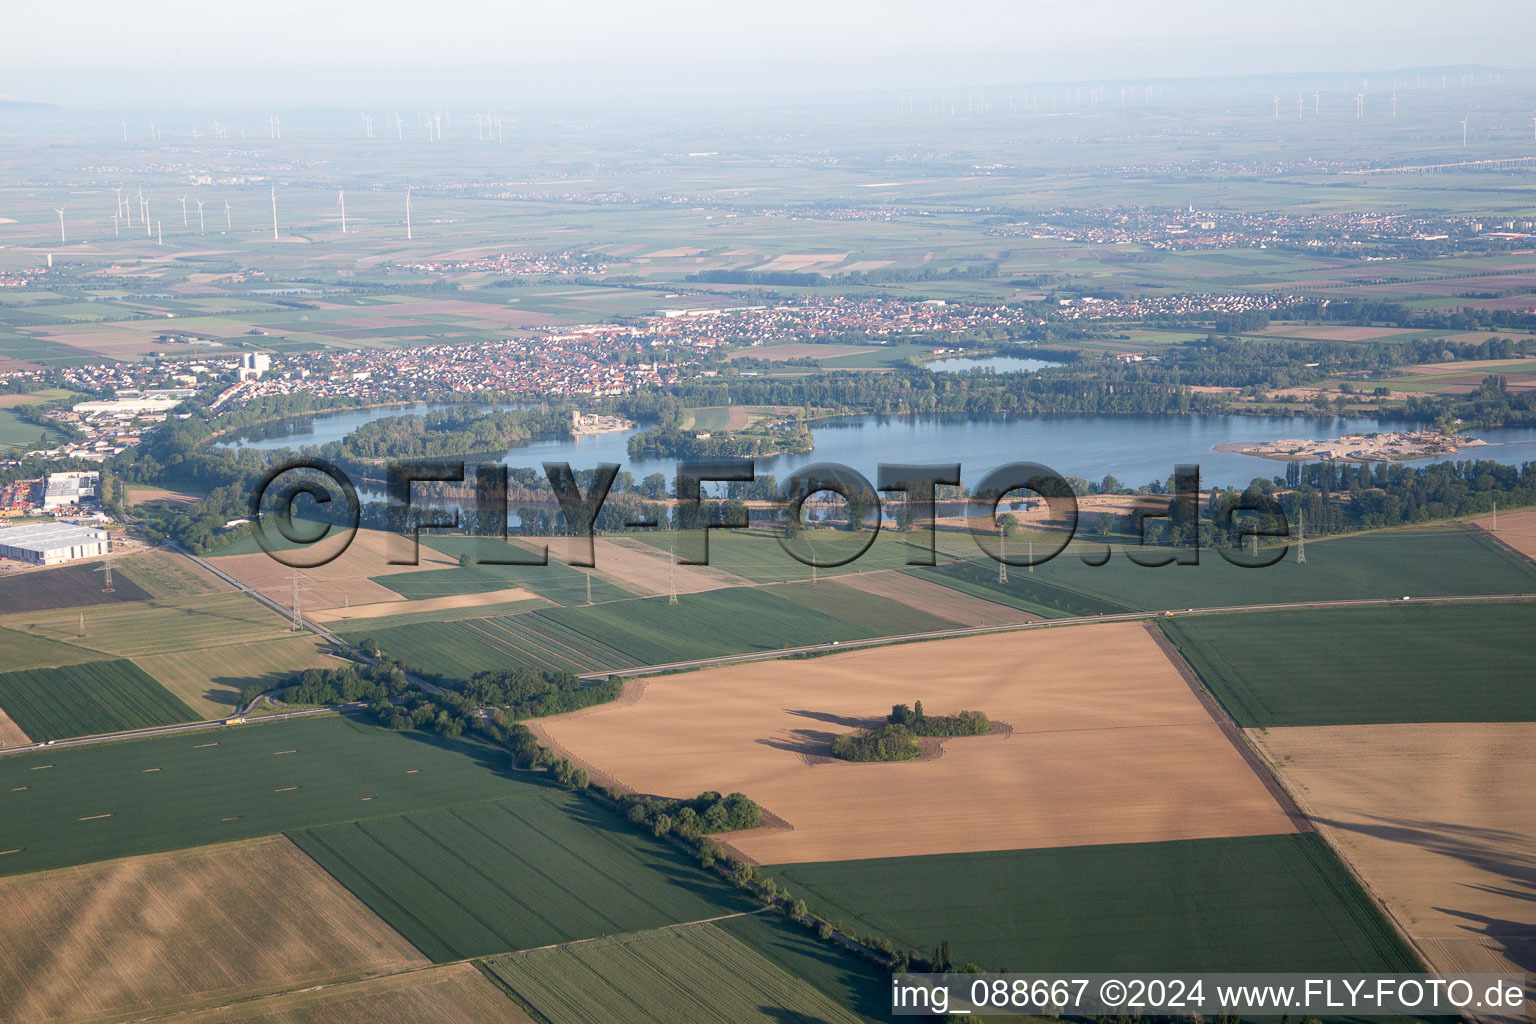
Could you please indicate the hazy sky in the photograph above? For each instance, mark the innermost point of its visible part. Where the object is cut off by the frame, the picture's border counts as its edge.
(267, 51)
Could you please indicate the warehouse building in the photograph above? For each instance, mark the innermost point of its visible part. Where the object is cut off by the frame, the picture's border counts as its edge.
(52, 543)
(64, 490)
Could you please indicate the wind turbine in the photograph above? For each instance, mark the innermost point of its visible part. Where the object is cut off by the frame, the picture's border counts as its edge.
(1277, 108)
(226, 215)
(1298, 106)
(183, 211)
(407, 213)
(274, 213)
(60, 212)
(1394, 106)
(119, 191)
(1464, 131)
(125, 130)
(116, 221)
(144, 216)
(341, 198)
(1359, 105)
(199, 203)
(1317, 101)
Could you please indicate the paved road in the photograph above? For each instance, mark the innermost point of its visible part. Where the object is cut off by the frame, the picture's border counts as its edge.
(734, 659)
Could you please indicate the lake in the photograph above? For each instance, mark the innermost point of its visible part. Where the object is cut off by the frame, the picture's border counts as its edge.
(997, 364)
(1136, 449)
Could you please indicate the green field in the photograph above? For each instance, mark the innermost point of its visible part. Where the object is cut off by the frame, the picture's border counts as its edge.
(1356, 666)
(756, 555)
(556, 581)
(1261, 903)
(697, 973)
(84, 699)
(17, 435)
(138, 628)
(546, 866)
(216, 785)
(850, 980)
(649, 631)
(23, 650)
(1453, 560)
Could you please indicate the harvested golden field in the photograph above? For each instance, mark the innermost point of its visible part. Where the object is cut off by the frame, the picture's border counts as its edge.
(1437, 819)
(453, 994)
(1108, 744)
(933, 598)
(1515, 529)
(429, 604)
(182, 930)
(211, 685)
(337, 583)
(10, 733)
(166, 574)
(643, 569)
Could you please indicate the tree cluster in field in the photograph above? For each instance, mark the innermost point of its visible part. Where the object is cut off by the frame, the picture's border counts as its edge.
(491, 702)
(381, 682)
(896, 740)
(706, 813)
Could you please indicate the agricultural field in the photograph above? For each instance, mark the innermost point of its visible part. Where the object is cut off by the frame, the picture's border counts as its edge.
(211, 685)
(945, 602)
(165, 574)
(76, 805)
(1516, 530)
(1354, 666)
(142, 628)
(88, 698)
(341, 582)
(556, 581)
(17, 436)
(850, 980)
(646, 570)
(756, 555)
(68, 586)
(10, 733)
(174, 931)
(1256, 903)
(1433, 817)
(1451, 560)
(491, 877)
(650, 631)
(451, 994)
(26, 650)
(1066, 701)
(696, 973)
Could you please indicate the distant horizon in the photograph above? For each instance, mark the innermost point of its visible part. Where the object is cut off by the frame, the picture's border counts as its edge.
(286, 52)
(1323, 78)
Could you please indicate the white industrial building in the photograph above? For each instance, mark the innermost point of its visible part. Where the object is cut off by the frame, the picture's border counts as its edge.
(52, 543)
(254, 364)
(63, 490)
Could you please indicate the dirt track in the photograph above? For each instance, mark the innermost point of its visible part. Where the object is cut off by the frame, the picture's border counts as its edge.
(1108, 746)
